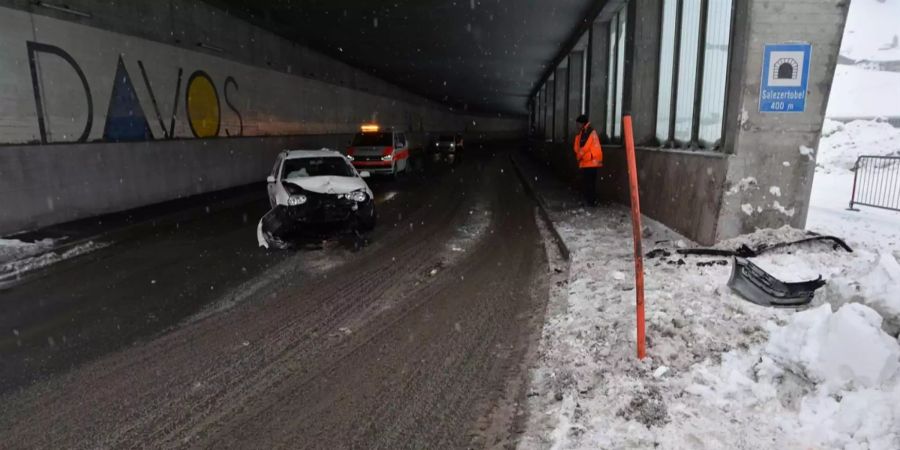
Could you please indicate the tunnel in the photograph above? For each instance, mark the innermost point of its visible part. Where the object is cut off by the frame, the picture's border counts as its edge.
(156, 290)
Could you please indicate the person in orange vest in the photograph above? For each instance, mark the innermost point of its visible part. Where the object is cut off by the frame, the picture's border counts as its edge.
(590, 158)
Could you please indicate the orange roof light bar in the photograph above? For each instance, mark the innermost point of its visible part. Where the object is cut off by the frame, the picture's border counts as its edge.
(370, 128)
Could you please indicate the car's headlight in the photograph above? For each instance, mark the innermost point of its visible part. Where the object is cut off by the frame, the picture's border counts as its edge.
(387, 158)
(452, 145)
(357, 196)
(350, 157)
(296, 200)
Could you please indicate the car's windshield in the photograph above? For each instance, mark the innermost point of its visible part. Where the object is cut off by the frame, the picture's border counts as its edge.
(445, 138)
(316, 167)
(372, 139)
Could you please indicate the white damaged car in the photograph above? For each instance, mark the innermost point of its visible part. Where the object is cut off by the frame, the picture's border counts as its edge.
(314, 193)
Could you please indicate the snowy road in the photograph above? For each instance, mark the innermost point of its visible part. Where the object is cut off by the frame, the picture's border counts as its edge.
(419, 340)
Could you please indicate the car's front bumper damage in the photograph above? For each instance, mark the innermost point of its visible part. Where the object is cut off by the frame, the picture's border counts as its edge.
(322, 215)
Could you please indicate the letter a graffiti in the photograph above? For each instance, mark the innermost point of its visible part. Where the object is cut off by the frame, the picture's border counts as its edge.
(33, 49)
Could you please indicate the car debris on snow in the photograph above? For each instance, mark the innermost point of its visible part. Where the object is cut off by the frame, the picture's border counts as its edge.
(758, 286)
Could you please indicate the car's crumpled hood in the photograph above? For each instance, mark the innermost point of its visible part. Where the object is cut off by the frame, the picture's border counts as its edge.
(329, 184)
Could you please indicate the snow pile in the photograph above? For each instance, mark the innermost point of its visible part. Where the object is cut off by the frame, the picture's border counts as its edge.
(721, 372)
(13, 270)
(867, 418)
(842, 144)
(826, 348)
(811, 386)
(12, 249)
(877, 285)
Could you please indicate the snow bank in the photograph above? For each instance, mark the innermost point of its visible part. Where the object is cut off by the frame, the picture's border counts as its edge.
(867, 418)
(14, 269)
(842, 350)
(12, 249)
(841, 144)
(877, 285)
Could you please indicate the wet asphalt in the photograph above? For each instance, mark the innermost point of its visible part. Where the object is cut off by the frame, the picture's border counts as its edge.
(186, 334)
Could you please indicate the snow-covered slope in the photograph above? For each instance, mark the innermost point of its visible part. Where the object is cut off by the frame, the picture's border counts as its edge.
(871, 30)
(861, 93)
(842, 144)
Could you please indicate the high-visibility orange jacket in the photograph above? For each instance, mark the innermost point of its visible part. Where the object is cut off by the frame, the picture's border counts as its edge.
(587, 148)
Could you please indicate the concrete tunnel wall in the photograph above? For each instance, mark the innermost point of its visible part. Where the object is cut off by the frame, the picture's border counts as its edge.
(762, 174)
(95, 121)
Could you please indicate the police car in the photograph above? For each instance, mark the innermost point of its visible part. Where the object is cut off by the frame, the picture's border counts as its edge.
(380, 151)
(315, 192)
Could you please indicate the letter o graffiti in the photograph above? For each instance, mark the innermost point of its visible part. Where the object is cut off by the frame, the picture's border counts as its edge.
(202, 104)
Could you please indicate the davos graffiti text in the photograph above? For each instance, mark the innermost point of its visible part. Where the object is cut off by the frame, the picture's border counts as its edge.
(125, 117)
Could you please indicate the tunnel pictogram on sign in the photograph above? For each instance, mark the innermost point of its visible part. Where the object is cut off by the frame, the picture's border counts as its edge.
(786, 69)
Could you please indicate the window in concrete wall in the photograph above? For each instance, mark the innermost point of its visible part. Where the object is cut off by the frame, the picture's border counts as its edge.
(715, 71)
(693, 63)
(611, 85)
(585, 78)
(666, 71)
(616, 71)
(541, 95)
(544, 109)
(551, 109)
(689, 37)
(560, 110)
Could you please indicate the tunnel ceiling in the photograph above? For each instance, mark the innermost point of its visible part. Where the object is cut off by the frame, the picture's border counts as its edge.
(484, 55)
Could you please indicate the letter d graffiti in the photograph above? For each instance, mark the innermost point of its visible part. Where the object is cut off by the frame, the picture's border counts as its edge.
(33, 49)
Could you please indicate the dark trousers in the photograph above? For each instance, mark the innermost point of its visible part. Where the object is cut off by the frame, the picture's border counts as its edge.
(589, 185)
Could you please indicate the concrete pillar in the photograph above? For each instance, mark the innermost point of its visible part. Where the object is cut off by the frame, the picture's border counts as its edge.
(560, 109)
(576, 78)
(769, 175)
(599, 77)
(641, 61)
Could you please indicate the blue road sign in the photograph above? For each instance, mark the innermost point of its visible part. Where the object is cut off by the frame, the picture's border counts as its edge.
(785, 73)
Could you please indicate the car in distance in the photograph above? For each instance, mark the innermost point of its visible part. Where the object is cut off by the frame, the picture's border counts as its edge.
(315, 193)
(449, 147)
(381, 152)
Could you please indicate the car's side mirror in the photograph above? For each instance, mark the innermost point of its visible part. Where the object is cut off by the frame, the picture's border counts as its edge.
(270, 179)
(365, 174)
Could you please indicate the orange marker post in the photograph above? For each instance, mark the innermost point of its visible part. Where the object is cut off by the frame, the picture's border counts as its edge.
(636, 226)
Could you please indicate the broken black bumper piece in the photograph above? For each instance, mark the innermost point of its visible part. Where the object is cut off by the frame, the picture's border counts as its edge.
(760, 287)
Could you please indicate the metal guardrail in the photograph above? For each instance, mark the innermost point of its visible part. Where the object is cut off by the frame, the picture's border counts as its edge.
(876, 182)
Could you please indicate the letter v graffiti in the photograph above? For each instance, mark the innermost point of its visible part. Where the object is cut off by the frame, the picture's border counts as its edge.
(33, 49)
(170, 133)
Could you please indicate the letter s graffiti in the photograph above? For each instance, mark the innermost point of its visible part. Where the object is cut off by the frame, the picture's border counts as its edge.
(231, 81)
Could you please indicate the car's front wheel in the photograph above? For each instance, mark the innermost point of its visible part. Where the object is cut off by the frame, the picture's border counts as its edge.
(367, 221)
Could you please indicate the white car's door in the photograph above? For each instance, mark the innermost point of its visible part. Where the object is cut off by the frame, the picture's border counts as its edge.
(401, 151)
